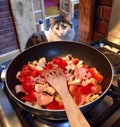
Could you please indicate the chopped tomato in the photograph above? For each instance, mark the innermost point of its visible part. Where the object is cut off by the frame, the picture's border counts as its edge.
(79, 99)
(27, 72)
(26, 67)
(54, 105)
(27, 86)
(96, 74)
(24, 73)
(76, 89)
(73, 89)
(48, 66)
(86, 89)
(86, 66)
(35, 73)
(96, 89)
(75, 61)
(77, 96)
(30, 97)
(23, 78)
(60, 62)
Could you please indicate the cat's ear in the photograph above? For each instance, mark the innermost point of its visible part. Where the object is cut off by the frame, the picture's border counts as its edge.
(52, 21)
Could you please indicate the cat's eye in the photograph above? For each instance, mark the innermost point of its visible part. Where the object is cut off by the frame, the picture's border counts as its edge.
(63, 26)
(57, 27)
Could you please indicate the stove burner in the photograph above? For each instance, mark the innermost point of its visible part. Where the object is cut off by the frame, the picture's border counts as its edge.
(114, 91)
(113, 57)
(102, 119)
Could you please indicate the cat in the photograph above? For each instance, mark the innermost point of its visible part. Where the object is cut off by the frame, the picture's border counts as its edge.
(61, 29)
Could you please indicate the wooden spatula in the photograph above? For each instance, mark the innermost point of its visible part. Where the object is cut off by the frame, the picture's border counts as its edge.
(57, 80)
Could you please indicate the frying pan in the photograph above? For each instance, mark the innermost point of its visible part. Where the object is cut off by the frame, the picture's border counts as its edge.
(88, 54)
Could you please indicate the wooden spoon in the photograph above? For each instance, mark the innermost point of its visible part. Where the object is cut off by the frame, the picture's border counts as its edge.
(57, 79)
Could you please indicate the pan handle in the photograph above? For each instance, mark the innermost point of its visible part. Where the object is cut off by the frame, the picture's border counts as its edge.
(2, 73)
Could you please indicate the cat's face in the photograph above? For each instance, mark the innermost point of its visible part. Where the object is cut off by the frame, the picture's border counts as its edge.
(61, 27)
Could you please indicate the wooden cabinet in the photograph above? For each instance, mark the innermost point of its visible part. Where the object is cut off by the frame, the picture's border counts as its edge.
(86, 20)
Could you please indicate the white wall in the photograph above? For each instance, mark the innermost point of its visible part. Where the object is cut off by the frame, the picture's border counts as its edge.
(114, 25)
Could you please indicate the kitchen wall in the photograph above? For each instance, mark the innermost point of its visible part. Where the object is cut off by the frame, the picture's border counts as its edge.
(8, 36)
(94, 17)
(17, 23)
(102, 18)
(107, 20)
(114, 26)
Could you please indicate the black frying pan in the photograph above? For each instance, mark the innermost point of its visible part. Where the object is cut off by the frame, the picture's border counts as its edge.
(88, 54)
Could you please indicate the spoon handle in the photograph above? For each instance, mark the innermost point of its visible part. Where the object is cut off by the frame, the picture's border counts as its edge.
(75, 116)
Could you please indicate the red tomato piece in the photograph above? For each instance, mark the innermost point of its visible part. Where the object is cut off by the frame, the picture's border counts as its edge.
(35, 73)
(26, 67)
(48, 66)
(96, 89)
(77, 96)
(30, 97)
(74, 89)
(24, 79)
(54, 105)
(56, 60)
(96, 74)
(27, 86)
(75, 61)
(86, 89)
(86, 66)
(24, 73)
(79, 99)
(60, 62)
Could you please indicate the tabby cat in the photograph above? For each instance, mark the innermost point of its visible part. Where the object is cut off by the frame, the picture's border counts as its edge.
(61, 29)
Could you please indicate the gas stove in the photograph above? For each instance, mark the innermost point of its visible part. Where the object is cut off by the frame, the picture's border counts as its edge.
(106, 113)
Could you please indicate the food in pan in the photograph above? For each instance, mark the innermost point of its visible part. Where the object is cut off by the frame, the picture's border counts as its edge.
(84, 82)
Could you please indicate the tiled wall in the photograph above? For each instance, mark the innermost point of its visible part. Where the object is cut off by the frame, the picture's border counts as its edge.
(102, 18)
(8, 39)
